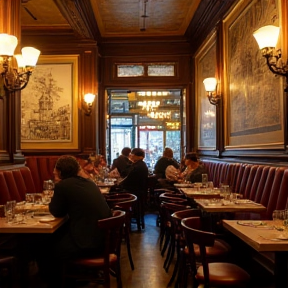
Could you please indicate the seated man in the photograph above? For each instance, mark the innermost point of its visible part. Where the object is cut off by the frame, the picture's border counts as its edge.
(165, 161)
(81, 200)
(122, 163)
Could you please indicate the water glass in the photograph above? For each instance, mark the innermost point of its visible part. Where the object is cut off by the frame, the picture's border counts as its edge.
(204, 180)
(278, 217)
(29, 197)
(10, 211)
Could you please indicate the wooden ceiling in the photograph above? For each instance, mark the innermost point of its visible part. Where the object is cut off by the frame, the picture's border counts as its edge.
(102, 20)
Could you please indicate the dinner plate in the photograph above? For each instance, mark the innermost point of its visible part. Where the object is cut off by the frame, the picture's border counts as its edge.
(243, 201)
(47, 219)
(251, 223)
(182, 185)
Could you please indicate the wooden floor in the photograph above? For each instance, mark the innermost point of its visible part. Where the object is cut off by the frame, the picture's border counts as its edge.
(149, 271)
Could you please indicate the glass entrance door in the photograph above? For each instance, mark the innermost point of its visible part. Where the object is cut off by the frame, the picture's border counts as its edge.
(151, 120)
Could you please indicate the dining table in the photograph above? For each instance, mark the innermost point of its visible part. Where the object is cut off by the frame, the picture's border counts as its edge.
(41, 223)
(224, 206)
(263, 236)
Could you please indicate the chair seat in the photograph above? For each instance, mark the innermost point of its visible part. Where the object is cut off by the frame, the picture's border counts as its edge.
(220, 249)
(92, 262)
(226, 274)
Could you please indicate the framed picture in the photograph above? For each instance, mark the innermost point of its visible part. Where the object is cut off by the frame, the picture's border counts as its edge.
(49, 105)
(206, 120)
(254, 95)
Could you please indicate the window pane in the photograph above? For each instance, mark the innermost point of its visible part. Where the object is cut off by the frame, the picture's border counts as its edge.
(161, 70)
(130, 70)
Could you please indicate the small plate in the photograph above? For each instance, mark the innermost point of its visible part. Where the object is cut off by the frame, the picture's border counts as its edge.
(251, 223)
(47, 219)
(282, 237)
(182, 185)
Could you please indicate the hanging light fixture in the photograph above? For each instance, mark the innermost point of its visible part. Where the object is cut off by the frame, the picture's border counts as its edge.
(267, 38)
(14, 79)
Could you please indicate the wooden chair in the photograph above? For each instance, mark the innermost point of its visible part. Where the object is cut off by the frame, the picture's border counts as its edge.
(124, 203)
(219, 252)
(169, 231)
(108, 261)
(216, 274)
(9, 263)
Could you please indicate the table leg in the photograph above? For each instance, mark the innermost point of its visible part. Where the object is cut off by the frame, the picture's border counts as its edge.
(280, 269)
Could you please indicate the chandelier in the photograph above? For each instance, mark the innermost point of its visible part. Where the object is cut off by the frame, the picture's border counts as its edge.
(149, 106)
(14, 79)
(160, 115)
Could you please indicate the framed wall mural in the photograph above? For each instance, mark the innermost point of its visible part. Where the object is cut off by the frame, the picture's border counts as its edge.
(255, 95)
(206, 67)
(49, 105)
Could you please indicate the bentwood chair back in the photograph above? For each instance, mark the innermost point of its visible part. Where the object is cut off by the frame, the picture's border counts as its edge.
(124, 203)
(109, 261)
(216, 274)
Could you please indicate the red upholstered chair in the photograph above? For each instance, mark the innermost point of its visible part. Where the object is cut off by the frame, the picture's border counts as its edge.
(216, 274)
(43, 172)
(27, 176)
(4, 194)
(109, 262)
(12, 187)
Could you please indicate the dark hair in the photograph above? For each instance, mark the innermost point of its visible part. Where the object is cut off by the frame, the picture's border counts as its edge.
(138, 152)
(126, 151)
(168, 152)
(68, 166)
(191, 156)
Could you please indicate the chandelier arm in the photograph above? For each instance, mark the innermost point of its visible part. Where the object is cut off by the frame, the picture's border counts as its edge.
(282, 71)
(19, 81)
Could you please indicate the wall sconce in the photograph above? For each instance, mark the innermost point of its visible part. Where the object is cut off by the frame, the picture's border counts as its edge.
(267, 38)
(210, 87)
(89, 99)
(16, 79)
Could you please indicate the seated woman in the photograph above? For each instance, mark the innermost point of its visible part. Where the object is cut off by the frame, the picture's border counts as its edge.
(194, 169)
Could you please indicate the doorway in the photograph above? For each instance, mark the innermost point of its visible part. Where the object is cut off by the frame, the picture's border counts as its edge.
(151, 120)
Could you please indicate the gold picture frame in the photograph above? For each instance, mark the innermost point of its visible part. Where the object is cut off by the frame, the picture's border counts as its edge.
(205, 66)
(254, 107)
(49, 105)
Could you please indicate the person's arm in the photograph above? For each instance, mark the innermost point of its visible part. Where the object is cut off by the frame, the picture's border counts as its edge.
(58, 204)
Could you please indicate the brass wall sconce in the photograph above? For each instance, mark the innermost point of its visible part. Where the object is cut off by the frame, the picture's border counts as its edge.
(89, 99)
(267, 38)
(14, 79)
(210, 87)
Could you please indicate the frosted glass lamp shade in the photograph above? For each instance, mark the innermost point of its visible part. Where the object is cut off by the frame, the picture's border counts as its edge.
(30, 56)
(8, 44)
(210, 84)
(267, 36)
(89, 98)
